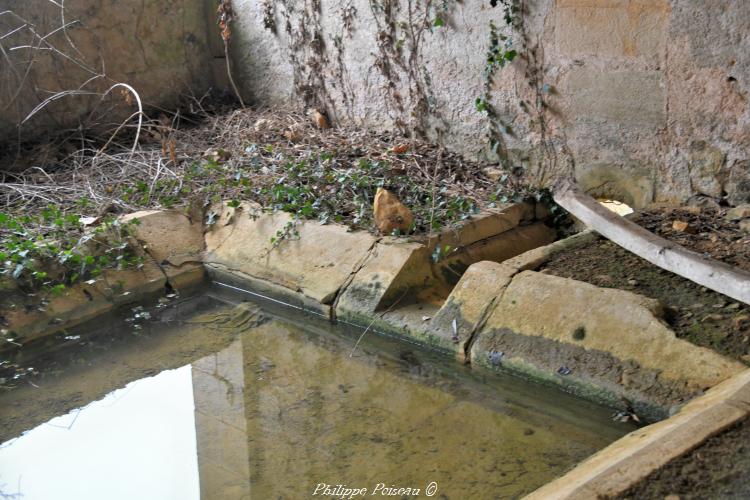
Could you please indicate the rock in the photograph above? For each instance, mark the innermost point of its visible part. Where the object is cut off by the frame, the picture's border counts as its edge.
(261, 125)
(683, 227)
(168, 236)
(494, 174)
(707, 169)
(745, 226)
(217, 155)
(535, 306)
(692, 210)
(737, 213)
(391, 214)
(320, 120)
(738, 184)
(292, 135)
(314, 265)
(703, 202)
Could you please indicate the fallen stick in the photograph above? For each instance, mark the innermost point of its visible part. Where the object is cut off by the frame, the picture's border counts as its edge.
(717, 276)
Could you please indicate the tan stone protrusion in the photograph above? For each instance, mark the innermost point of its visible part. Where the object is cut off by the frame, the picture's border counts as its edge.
(390, 213)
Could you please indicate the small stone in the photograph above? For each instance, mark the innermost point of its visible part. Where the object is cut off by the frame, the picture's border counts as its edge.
(712, 317)
(692, 210)
(672, 496)
(426, 318)
(217, 155)
(745, 226)
(703, 202)
(733, 306)
(745, 358)
(720, 304)
(683, 227)
(493, 174)
(737, 213)
(633, 282)
(260, 125)
(320, 120)
(292, 135)
(391, 214)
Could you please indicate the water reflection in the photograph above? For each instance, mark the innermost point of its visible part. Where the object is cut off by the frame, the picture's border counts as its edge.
(279, 409)
(137, 442)
(280, 412)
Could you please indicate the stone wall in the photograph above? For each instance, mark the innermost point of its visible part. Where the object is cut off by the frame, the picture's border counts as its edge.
(160, 47)
(644, 100)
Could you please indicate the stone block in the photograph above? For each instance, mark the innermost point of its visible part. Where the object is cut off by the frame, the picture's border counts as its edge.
(314, 259)
(632, 99)
(485, 225)
(168, 236)
(611, 28)
(611, 339)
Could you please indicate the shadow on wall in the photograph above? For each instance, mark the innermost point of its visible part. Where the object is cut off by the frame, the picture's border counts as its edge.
(65, 56)
(633, 185)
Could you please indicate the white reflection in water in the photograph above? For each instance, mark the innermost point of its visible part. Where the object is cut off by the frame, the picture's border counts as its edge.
(137, 442)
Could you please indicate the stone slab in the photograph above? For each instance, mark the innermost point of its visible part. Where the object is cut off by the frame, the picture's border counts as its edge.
(317, 262)
(617, 321)
(630, 98)
(611, 28)
(168, 236)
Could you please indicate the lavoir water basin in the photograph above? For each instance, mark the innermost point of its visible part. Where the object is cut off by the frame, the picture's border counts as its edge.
(222, 395)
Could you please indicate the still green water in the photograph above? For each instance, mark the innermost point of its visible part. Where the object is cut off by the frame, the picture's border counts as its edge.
(216, 400)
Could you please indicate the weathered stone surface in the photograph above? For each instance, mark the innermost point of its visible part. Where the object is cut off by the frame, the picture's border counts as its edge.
(317, 262)
(627, 82)
(498, 248)
(391, 268)
(707, 174)
(469, 301)
(390, 214)
(84, 301)
(610, 338)
(737, 213)
(628, 98)
(738, 185)
(632, 184)
(608, 28)
(632, 458)
(486, 224)
(168, 236)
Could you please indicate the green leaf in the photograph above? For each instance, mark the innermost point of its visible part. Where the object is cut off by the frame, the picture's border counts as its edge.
(439, 22)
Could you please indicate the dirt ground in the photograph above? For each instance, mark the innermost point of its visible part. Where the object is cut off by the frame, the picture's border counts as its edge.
(709, 233)
(718, 468)
(695, 313)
